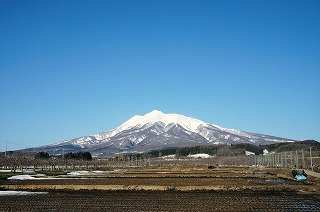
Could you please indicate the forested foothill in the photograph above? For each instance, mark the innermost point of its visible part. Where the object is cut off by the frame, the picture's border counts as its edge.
(237, 149)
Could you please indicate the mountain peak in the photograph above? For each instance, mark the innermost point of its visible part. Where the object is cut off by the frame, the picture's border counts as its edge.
(158, 116)
(155, 112)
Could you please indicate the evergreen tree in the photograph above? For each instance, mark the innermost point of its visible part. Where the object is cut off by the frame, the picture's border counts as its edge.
(42, 155)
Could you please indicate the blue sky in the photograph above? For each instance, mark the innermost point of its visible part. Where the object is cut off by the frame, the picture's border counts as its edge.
(72, 68)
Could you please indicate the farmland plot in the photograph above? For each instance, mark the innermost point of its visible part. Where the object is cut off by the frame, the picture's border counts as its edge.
(165, 189)
(162, 201)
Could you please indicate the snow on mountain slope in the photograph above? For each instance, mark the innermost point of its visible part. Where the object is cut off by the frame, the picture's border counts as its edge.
(157, 116)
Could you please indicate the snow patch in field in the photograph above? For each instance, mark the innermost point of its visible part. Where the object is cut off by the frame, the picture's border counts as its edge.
(168, 156)
(17, 171)
(78, 173)
(71, 175)
(22, 177)
(28, 177)
(98, 172)
(5, 170)
(202, 155)
(11, 193)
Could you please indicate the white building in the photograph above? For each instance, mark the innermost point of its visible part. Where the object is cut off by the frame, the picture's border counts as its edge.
(249, 153)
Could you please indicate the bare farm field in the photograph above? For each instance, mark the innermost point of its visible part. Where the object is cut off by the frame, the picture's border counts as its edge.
(192, 188)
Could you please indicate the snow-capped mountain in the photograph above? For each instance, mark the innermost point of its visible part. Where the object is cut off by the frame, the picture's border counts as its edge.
(157, 130)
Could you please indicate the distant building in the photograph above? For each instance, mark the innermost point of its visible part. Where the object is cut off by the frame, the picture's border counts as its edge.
(249, 153)
(201, 155)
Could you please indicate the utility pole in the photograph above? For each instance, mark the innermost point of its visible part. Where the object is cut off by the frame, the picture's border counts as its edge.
(5, 152)
(291, 163)
(297, 159)
(311, 159)
(302, 157)
(285, 159)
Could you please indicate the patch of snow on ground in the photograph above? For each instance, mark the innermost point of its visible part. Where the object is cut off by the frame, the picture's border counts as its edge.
(77, 173)
(18, 170)
(21, 177)
(10, 193)
(28, 177)
(202, 155)
(5, 170)
(168, 156)
(72, 175)
(98, 172)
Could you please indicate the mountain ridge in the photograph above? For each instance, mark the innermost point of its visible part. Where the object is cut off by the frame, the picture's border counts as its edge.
(156, 130)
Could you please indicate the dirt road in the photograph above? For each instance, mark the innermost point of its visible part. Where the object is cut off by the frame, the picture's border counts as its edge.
(312, 173)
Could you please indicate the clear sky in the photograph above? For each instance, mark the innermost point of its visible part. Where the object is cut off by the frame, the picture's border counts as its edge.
(70, 68)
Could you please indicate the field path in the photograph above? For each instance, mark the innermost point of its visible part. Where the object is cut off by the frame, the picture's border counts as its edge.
(312, 173)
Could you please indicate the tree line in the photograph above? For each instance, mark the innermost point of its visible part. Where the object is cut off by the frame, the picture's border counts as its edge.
(70, 155)
(235, 149)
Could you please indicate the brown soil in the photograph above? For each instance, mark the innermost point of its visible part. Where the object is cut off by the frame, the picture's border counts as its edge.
(169, 189)
(175, 178)
(162, 201)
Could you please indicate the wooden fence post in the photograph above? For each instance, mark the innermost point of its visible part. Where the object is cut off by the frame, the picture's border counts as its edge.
(302, 157)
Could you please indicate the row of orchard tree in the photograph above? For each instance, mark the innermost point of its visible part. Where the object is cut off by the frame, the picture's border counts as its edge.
(304, 154)
(18, 161)
(304, 159)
